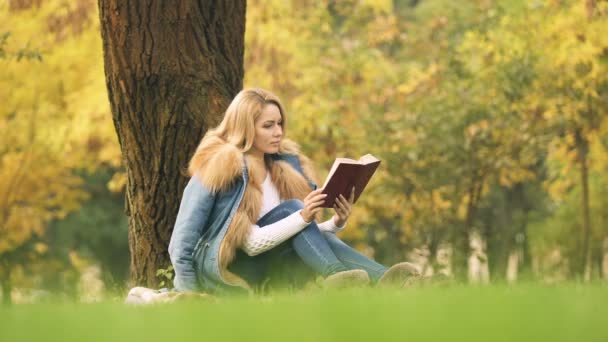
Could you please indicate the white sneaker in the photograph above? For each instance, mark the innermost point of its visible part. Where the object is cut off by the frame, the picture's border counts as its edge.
(403, 274)
(352, 278)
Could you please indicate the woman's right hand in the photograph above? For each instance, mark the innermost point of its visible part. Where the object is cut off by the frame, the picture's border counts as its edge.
(312, 205)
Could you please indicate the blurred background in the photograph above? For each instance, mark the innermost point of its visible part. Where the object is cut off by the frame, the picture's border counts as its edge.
(489, 117)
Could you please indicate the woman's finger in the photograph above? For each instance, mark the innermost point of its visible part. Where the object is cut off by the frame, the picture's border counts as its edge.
(316, 210)
(338, 210)
(315, 205)
(342, 214)
(344, 205)
(340, 205)
(352, 196)
(317, 202)
(313, 193)
(320, 198)
(344, 201)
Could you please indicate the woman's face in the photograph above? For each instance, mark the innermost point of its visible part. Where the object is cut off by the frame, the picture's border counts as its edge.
(268, 130)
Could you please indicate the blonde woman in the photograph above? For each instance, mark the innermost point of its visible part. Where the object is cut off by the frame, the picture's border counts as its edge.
(251, 206)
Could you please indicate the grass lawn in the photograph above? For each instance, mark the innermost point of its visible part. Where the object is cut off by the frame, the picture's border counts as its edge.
(567, 312)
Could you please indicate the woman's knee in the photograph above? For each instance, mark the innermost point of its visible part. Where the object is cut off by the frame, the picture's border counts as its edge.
(291, 206)
(281, 211)
(332, 238)
(311, 230)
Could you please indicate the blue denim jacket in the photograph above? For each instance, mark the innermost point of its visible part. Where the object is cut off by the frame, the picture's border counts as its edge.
(201, 224)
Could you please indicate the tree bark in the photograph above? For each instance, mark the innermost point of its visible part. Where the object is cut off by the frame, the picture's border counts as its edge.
(6, 283)
(6, 292)
(590, 6)
(462, 251)
(526, 262)
(171, 70)
(583, 148)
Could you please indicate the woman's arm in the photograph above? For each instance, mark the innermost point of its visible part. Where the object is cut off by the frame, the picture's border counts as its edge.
(193, 213)
(261, 239)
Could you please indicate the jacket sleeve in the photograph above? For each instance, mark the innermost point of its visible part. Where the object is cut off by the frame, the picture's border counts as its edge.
(194, 211)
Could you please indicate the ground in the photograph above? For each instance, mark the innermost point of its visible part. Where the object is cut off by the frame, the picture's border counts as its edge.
(566, 312)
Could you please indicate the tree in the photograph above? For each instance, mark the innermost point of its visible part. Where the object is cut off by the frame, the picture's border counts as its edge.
(576, 98)
(46, 134)
(549, 62)
(171, 70)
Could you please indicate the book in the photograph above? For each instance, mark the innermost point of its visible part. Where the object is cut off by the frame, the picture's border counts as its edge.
(348, 173)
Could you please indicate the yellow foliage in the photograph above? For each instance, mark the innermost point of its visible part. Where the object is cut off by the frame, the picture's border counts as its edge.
(118, 182)
(41, 248)
(379, 6)
(440, 203)
(509, 177)
(357, 79)
(417, 79)
(462, 207)
(78, 261)
(55, 117)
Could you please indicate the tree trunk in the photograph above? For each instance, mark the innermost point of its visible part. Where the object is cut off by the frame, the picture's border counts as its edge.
(462, 250)
(590, 7)
(171, 70)
(6, 292)
(526, 262)
(583, 147)
(604, 262)
(6, 284)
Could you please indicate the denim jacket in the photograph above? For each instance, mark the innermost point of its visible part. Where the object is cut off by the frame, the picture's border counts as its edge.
(201, 225)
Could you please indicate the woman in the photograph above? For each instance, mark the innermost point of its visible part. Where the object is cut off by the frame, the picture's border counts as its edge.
(252, 202)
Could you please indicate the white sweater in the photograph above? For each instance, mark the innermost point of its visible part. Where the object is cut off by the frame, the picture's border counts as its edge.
(261, 239)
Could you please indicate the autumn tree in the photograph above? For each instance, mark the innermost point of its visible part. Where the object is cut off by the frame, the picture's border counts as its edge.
(548, 63)
(171, 70)
(47, 133)
(458, 100)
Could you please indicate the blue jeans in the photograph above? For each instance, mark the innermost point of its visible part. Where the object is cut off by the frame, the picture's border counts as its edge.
(321, 252)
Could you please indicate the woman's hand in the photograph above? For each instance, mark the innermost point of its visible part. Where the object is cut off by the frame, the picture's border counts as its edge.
(312, 205)
(343, 208)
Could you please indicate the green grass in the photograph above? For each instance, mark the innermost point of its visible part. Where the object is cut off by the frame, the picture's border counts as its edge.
(456, 313)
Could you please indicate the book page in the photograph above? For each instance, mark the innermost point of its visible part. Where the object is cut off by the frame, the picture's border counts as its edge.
(347, 160)
(368, 158)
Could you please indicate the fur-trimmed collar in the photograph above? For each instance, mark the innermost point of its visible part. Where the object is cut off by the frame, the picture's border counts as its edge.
(217, 163)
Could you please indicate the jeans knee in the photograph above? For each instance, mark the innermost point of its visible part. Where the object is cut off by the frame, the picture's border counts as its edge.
(310, 230)
(292, 205)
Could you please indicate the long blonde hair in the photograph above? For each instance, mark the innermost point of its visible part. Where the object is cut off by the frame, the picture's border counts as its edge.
(237, 128)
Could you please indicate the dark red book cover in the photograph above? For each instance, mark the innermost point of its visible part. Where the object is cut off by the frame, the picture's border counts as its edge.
(346, 174)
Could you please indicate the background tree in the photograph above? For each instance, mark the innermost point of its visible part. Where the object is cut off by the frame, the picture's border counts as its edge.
(171, 70)
(50, 133)
(448, 96)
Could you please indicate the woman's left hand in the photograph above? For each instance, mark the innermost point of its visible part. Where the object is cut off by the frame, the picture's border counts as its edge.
(343, 208)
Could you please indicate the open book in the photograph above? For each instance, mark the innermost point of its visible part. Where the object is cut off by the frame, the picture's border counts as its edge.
(346, 174)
